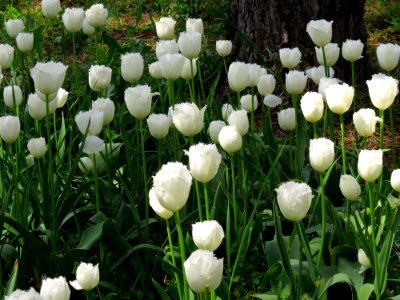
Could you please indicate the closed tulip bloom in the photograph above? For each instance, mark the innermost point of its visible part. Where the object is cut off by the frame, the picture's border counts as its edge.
(194, 25)
(188, 118)
(25, 41)
(159, 125)
(157, 207)
(91, 120)
(62, 97)
(249, 103)
(203, 271)
(230, 139)
(186, 69)
(204, 161)
(10, 127)
(388, 56)
(37, 147)
(48, 78)
(96, 15)
(214, 129)
(226, 110)
(30, 294)
(395, 180)
(165, 28)
(155, 70)
(171, 65)
(287, 119)
(272, 101)
(207, 235)
(238, 76)
(382, 90)
(190, 44)
(312, 106)
(87, 277)
(295, 82)
(86, 165)
(254, 74)
(10, 93)
(363, 260)
(50, 8)
(294, 200)
(92, 145)
(370, 164)
(317, 73)
(87, 28)
(223, 47)
(13, 27)
(55, 288)
(320, 31)
(107, 106)
(322, 154)
(239, 119)
(266, 84)
(166, 47)
(6, 56)
(365, 120)
(138, 101)
(73, 19)
(339, 97)
(290, 58)
(37, 107)
(99, 77)
(350, 187)
(132, 67)
(352, 50)
(332, 53)
(325, 83)
(172, 185)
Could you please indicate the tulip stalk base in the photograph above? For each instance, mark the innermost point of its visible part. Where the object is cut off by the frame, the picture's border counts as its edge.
(183, 253)
(343, 145)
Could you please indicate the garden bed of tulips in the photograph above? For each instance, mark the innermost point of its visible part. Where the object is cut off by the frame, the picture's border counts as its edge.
(123, 177)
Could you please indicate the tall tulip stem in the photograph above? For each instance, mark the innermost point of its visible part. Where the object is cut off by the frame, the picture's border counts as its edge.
(171, 249)
(234, 192)
(183, 253)
(323, 221)
(192, 81)
(374, 250)
(343, 145)
(325, 65)
(206, 201)
(393, 135)
(382, 124)
(146, 188)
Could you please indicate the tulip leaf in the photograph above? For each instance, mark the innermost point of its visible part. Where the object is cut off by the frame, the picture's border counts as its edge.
(266, 296)
(336, 278)
(161, 292)
(365, 291)
(12, 282)
(91, 235)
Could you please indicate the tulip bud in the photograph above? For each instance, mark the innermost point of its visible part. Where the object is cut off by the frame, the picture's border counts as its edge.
(190, 44)
(62, 96)
(238, 76)
(203, 271)
(194, 25)
(13, 27)
(223, 47)
(312, 106)
(325, 83)
(157, 207)
(55, 288)
(159, 125)
(10, 93)
(352, 50)
(294, 200)
(87, 277)
(350, 187)
(395, 180)
(272, 101)
(214, 130)
(87, 28)
(370, 164)
(365, 120)
(187, 71)
(204, 161)
(320, 31)
(30, 294)
(249, 103)
(37, 147)
(166, 47)
(266, 84)
(230, 139)
(226, 110)
(37, 107)
(290, 58)
(287, 119)
(171, 65)
(50, 8)
(73, 19)
(92, 119)
(339, 97)
(86, 165)
(388, 56)
(317, 73)
(99, 77)
(295, 82)
(207, 235)
(165, 28)
(106, 106)
(138, 101)
(10, 127)
(239, 119)
(322, 154)
(155, 70)
(363, 260)
(332, 52)
(6, 56)
(48, 78)
(132, 67)
(382, 90)
(172, 185)
(96, 15)
(24, 41)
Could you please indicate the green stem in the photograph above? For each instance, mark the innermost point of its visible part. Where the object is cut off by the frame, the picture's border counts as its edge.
(183, 253)
(315, 130)
(171, 92)
(171, 248)
(374, 250)
(323, 222)
(201, 81)
(146, 188)
(297, 137)
(325, 66)
(192, 81)
(382, 124)
(96, 184)
(234, 192)
(343, 145)
(75, 65)
(393, 136)
(206, 200)
(252, 111)
(238, 100)
(196, 183)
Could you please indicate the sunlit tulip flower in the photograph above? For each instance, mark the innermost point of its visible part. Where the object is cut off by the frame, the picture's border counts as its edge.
(190, 44)
(266, 84)
(226, 110)
(320, 31)
(204, 161)
(194, 25)
(294, 200)
(107, 106)
(50, 8)
(363, 260)
(249, 103)
(6, 56)
(37, 107)
(62, 97)
(272, 101)
(230, 139)
(13, 27)
(352, 50)
(339, 97)
(91, 120)
(165, 28)
(73, 19)
(186, 69)
(254, 74)
(159, 125)
(207, 235)
(350, 187)
(223, 47)
(24, 41)
(203, 271)
(48, 78)
(10, 93)
(290, 57)
(287, 119)
(171, 65)
(370, 164)
(92, 144)
(295, 82)
(187, 118)
(138, 101)
(325, 83)
(86, 165)
(99, 77)
(322, 154)
(395, 180)
(214, 129)
(37, 147)
(172, 185)
(365, 120)
(238, 76)
(312, 106)
(10, 127)
(132, 66)
(87, 28)
(239, 119)
(30, 294)
(87, 277)
(55, 288)
(388, 56)
(317, 73)
(157, 207)
(166, 47)
(155, 70)
(332, 53)
(382, 90)
(96, 15)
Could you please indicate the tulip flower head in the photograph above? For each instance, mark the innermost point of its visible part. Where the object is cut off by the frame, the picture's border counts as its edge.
(239, 119)
(91, 120)
(166, 47)
(238, 76)
(86, 165)
(138, 101)
(350, 187)
(254, 74)
(370, 164)
(322, 154)
(365, 120)
(92, 144)
(132, 67)
(51, 8)
(382, 90)
(171, 65)
(194, 25)
(159, 125)
(317, 73)
(395, 180)
(363, 260)
(96, 15)
(388, 56)
(332, 53)
(190, 44)
(87, 28)
(290, 58)
(295, 82)
(249, 102)
(48, 78)
(73, 19)
(325, 83)
(157, 207)
(107, 106)
(24, 41)
(10, 127)
(272, 101)
(14, 27)
(312, 106)
(226, 110)
(214, 130)
(87, 277)
(62, 97)
(230, 139)
(165, 28)
(155, 70)
(37, 147)
(266, 84)
(320, 32)
(207, 235)
(352, 50)
(287, 119)
(55, 288)
(339, 97)
(6, 56)
(186, 69)
(188, 118)
(37, 107)
(11, 93)
(99, 77)
(223, 47)
(30, 294)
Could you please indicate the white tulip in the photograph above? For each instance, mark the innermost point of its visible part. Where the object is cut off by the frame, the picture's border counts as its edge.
(214, 130)
(92, 144)
(188, 118)
(6, 56)
(55, 288)
(295, 82)
(230, 139)
(187, 71)
(37, 147)
(194, 25)
(290, 58)
(87, 28)
(48, 78)
(87, 277)
(325, 83)
(266, 84)
(86, 165)
(24, 41)
(207, 235)
(62, 96)
(339, 97)
(312, 106)
(223, 47)
(226, 110)
(332, 53)
(370, 164)
(382, 90)
(155, 70)
(91, 120)
(14, 27)
(159, 125)
(190, 44)
(254, 74)
(317, 73)
(37, 107)
(132, 66)
(365, 120)
(99, 77)
(51, 8)
(388, 56)
(239, 119)
(138, 101)
(322, 154)
(10, 127)
(320, 31)
(157, 207)
(350, 187)
(107, 106)
(287, 119)
(73, 19)
(171, 65)
(363, 260)
(165, 28)
(272, 101)
(249, 102)
(352, 50)
(30, 294)
(238, 76)
(11, 93)
(395, 180)
(96, 15)
(166, 47)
